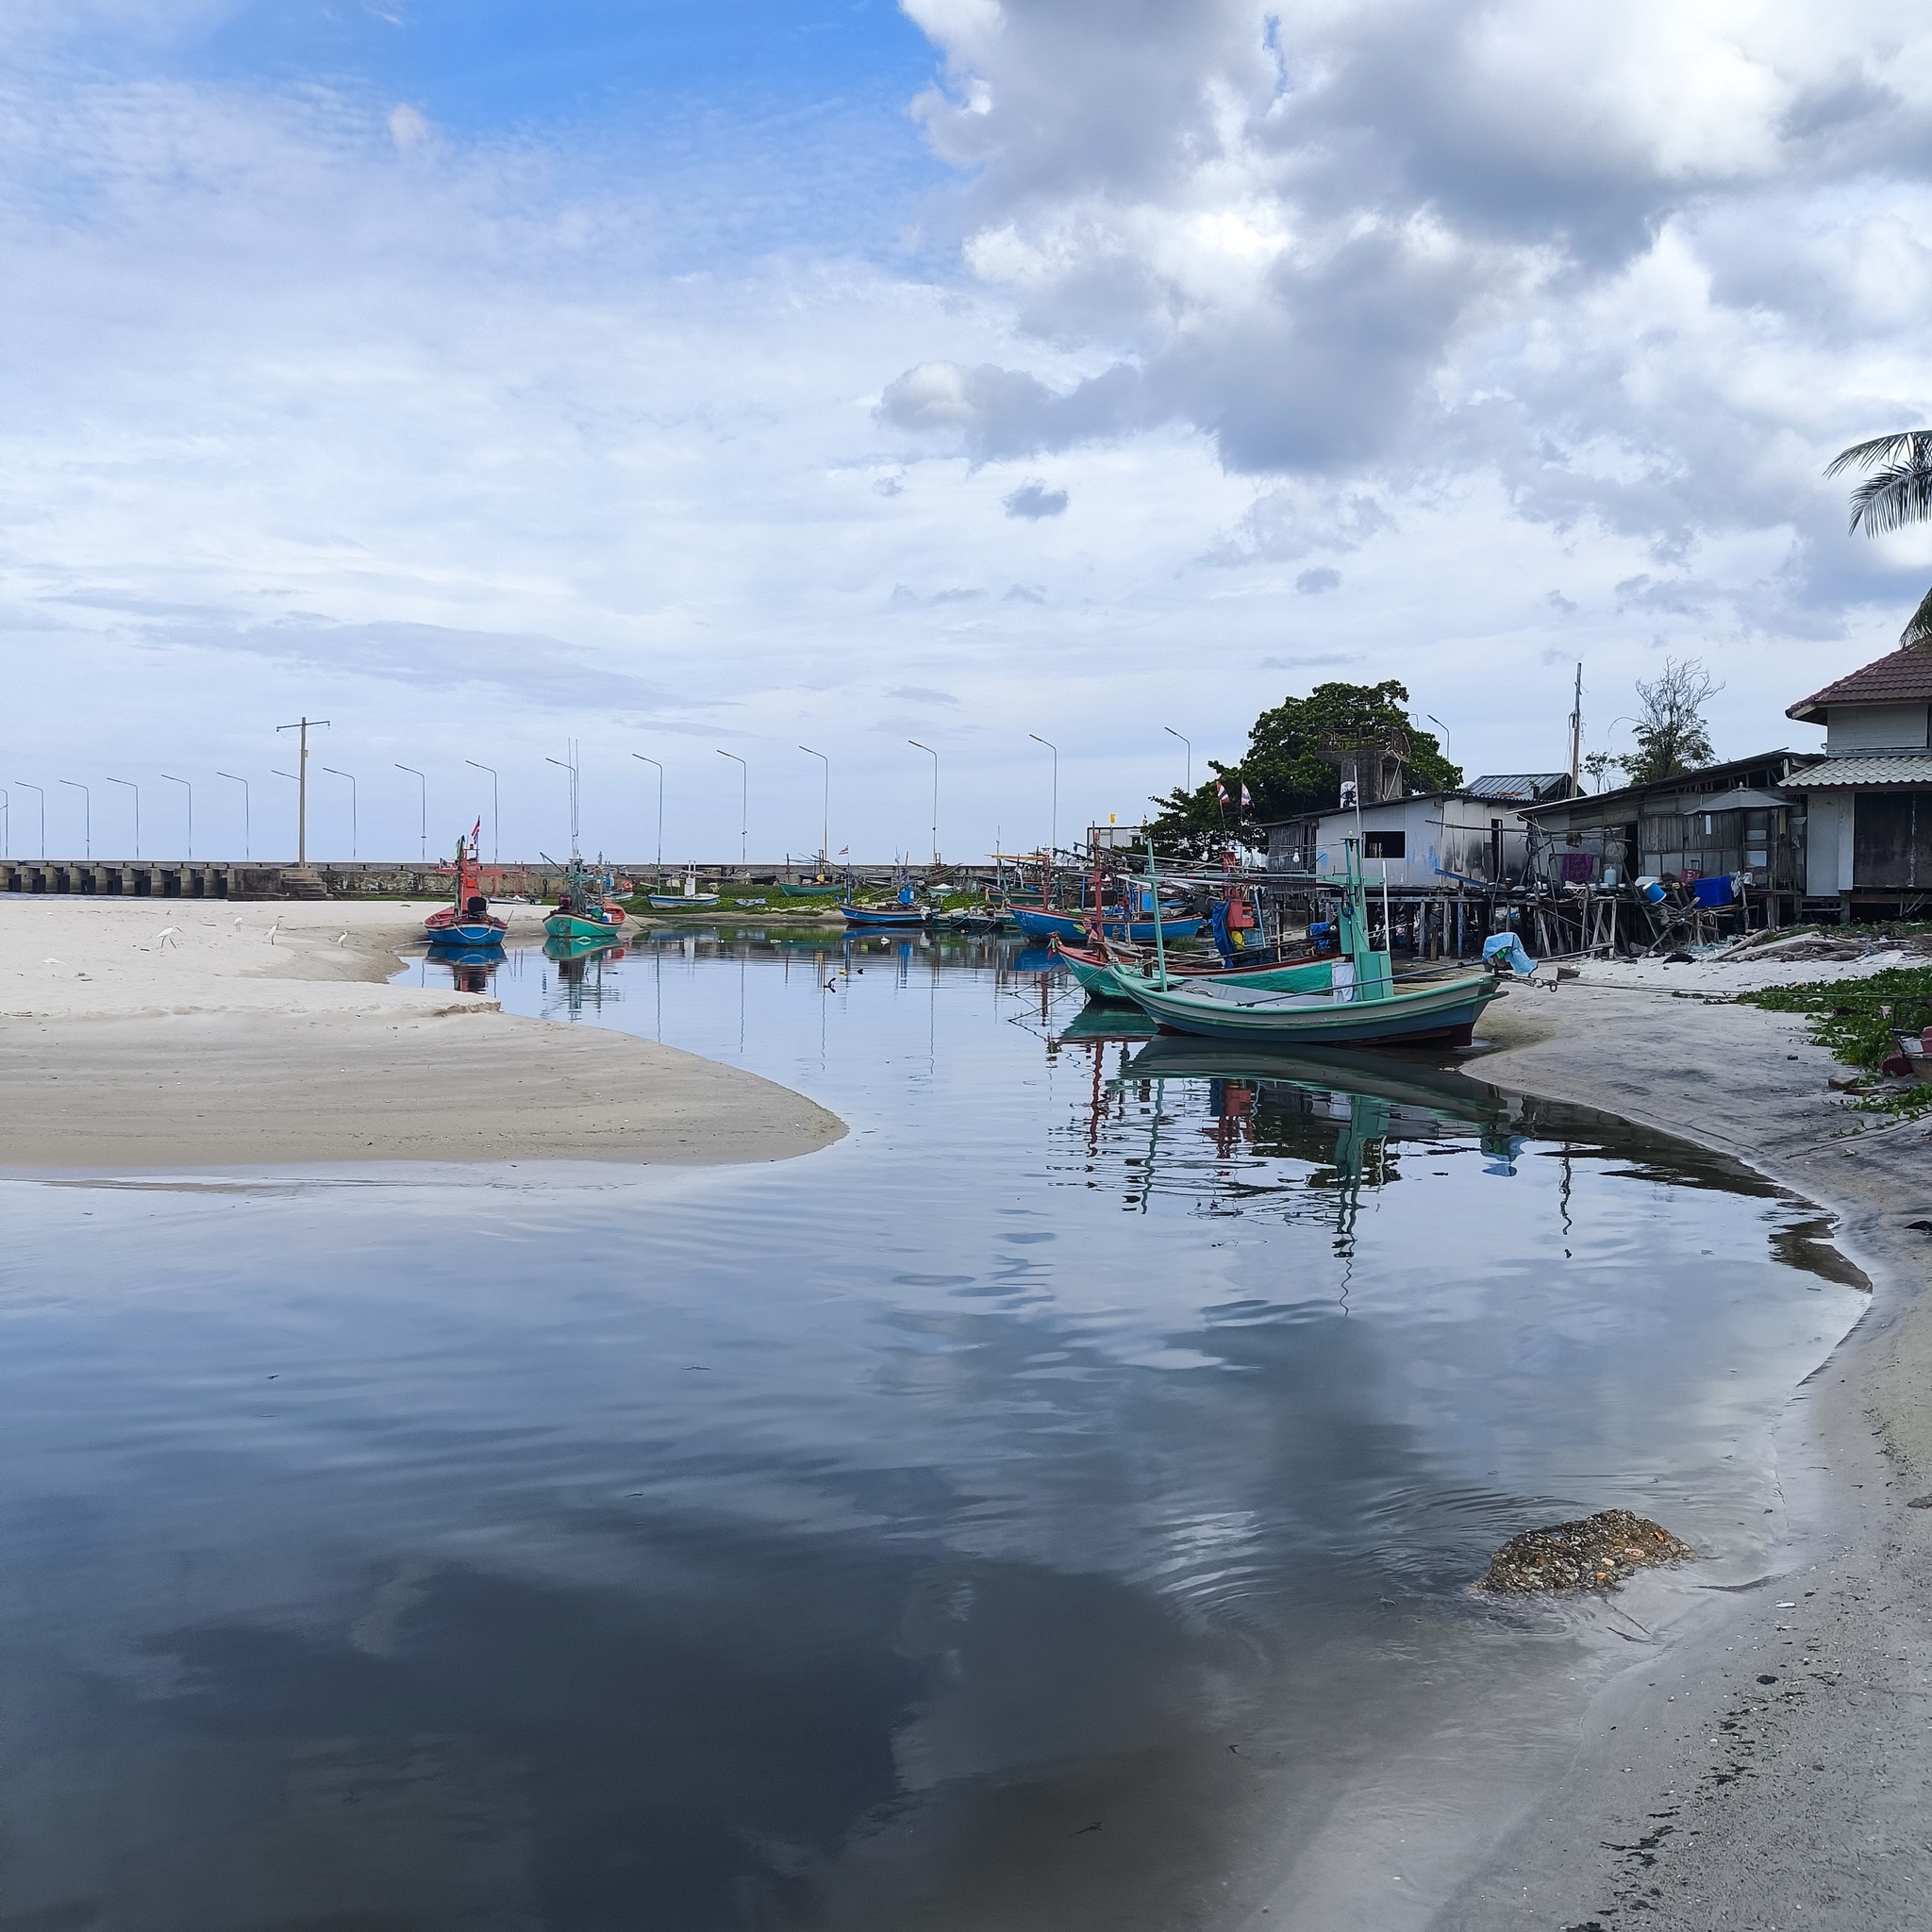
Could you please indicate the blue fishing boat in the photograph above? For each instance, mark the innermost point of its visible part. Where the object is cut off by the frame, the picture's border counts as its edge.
(1047, 925)
(887, 917)
(466, 924)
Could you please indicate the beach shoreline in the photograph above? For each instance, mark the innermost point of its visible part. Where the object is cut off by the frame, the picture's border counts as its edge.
(1765, 1758)
(163, 1036)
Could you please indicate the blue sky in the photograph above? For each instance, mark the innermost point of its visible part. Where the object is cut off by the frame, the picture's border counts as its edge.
(485, 375)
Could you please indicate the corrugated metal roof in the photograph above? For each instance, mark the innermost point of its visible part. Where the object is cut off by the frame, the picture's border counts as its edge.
(1868, 768)
(1902, 677)
(1533, 785)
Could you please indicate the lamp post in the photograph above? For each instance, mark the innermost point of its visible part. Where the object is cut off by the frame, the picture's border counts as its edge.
(87, 808)
(422, 784)
(825, 825)
(292, 780)
(302, 785)
(243, 783)
(5, 824)
(43, 797)
(136, 790)
(572, 769)
(935, 758)
(190, 810)
(1189, 743)
(644, 760)
(744, 802)
(1053, 837)
(495, 822)
(350, 775)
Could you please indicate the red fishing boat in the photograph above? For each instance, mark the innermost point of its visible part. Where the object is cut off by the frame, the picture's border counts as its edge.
(467, 920)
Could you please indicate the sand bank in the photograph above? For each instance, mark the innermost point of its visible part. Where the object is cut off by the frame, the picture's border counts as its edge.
(1769, 1764)
(159, 1035)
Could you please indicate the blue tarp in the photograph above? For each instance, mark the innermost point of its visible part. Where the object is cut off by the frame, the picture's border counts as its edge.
(1507, 947)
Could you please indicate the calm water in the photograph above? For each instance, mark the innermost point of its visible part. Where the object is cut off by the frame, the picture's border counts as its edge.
(1052, 1506)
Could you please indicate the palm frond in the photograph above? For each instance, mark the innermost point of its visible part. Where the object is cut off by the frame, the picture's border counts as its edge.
(1919, 630)
(1895, 496)
(1914, 445)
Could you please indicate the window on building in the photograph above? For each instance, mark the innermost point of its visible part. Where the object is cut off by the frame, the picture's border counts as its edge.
(1385, 846)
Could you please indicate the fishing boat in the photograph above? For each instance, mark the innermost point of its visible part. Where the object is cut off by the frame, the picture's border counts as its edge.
(1114, 925)
(1360, 1004)
(885, 917)
(810, 892)
(689, 900)
(466, 924)
(1093, 968)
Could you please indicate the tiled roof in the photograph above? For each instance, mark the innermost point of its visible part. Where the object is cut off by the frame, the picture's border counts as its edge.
(1904, 677)
(1867, 769)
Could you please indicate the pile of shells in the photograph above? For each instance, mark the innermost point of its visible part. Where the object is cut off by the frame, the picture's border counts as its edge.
(1597, 1552)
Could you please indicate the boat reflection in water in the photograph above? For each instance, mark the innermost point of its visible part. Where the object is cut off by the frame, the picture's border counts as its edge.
(472, 968)
(580, 982)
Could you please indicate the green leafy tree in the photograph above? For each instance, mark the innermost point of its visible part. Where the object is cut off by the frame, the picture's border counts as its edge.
(1283, 772)
(1897, 492)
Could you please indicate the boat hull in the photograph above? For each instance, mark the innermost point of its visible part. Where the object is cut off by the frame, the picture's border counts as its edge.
(1097, 973)
(568, 925)
(675, 902)
(469, 935)
(1049, 925)
(881, 916)
(1444, 1013)
(811, 891)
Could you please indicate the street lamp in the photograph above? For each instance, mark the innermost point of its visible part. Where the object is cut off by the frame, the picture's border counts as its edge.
(572, 769)
(302, 725)
(43, 797)
(1053, 837)
(190, 810)
(1189, 743)
(243, 783)
(935, 758)
(423, 784)
(495, 822)
(136, 790)
(743, 801)
(825, 826)
(350, 775)
(644, 760)
(300, 789)
(87, 807)
(5, 824)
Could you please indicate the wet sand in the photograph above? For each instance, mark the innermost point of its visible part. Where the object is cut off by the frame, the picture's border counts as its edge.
(1768, 1762)
(163, 1035)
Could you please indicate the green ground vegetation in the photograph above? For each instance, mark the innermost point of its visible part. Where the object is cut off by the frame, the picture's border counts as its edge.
(1857, 1020)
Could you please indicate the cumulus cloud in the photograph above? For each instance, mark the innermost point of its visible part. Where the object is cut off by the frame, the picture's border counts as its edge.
(1034, 500)
(1648, 266)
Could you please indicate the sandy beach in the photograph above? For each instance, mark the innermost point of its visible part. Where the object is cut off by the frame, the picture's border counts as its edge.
(160, 1035)
(1768, 1760)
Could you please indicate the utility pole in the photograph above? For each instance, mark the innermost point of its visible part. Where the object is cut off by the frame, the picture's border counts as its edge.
(190, 810)
(935, 758)
(825, 830)
(301, 784)
(1576, 735)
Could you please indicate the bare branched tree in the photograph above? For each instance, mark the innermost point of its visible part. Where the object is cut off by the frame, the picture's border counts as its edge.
(1671, 734)
(1897, 492)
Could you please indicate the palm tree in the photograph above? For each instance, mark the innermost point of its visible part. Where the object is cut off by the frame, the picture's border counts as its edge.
(1895, 494)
